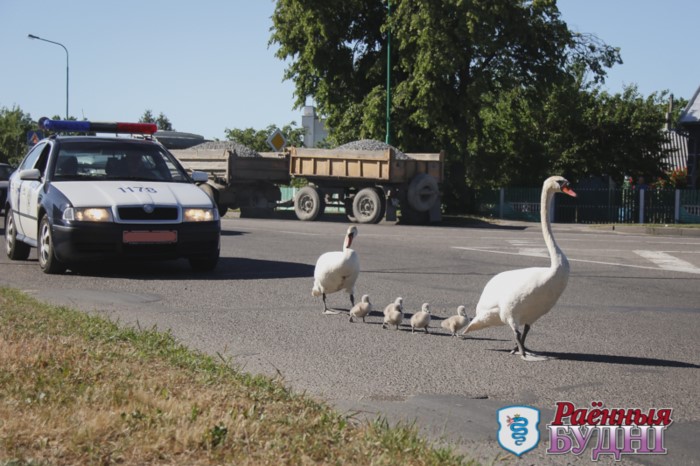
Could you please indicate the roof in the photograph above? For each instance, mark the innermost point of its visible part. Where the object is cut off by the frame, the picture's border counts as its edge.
(677, 145)
(691, 113)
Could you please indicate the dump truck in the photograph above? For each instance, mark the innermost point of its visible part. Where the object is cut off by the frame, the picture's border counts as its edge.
(237, 181)
(369, 185)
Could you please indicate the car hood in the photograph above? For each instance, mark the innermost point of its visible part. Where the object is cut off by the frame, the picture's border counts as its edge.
(131, 193)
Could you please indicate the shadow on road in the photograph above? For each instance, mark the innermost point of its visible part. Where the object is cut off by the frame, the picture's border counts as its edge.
(228, 268)
(613, 359)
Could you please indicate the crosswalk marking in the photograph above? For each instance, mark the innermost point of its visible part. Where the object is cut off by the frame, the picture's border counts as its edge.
(673, 264)
(667, 261)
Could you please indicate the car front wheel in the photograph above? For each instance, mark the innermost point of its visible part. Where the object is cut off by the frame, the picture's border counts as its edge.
(16, 250)
(47, 256)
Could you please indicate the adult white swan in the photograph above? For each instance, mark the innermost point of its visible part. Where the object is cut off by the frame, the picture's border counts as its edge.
(337, 270)
(520, 297)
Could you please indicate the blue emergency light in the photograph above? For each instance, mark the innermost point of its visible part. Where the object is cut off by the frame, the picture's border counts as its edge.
(74, 126)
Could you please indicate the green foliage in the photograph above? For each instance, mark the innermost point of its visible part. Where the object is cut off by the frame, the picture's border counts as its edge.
(450, 61)
(14, 126)
(162, 121)
(257, 139)
(572, 131)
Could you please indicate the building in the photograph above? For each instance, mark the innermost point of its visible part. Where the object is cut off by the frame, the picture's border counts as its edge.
(689, 123)
(315, 129)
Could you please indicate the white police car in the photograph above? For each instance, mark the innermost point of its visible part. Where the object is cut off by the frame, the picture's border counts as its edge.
(93, 198)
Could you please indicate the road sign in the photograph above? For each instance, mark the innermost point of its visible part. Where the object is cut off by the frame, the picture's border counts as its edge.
(276, 140)
(33, 137)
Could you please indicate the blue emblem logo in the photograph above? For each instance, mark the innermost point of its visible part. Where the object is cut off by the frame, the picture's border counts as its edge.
(518, 430)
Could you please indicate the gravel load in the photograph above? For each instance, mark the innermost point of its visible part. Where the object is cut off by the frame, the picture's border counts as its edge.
(233, 146)
(371, 144)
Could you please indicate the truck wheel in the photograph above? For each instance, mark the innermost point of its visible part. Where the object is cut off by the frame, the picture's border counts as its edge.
(348, 209)
(308, 203)
(214, 195)
(48, 261)
(367, 206)
(16, 250)
(422, 192)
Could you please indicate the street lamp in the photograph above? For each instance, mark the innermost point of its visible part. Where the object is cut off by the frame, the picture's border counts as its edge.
(32, 36)
(388, 72)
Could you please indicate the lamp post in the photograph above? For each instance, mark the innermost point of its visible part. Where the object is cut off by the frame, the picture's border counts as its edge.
(32, 36)
(388, 73)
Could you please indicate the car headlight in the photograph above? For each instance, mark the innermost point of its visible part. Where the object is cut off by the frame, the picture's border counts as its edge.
(198, 215)
(88, 214)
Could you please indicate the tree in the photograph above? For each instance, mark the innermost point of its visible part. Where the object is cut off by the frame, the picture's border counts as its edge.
(449, 60)
(257, 139)
(162, 121)
(14, 126)
(572, 131)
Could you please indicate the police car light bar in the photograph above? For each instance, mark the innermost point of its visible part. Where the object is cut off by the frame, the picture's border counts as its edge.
(75, 126)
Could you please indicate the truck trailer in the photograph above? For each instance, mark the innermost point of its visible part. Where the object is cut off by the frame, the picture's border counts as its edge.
(370, 185)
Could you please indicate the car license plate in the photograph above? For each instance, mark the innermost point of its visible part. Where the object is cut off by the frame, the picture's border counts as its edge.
(152, 236)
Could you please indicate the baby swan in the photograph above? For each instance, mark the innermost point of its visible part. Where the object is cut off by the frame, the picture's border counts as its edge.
(393, 314)
(361, 309)
(421, 319)
(456, 322)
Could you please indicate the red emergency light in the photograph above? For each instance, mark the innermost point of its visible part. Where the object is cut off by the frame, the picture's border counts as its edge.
(74, 126)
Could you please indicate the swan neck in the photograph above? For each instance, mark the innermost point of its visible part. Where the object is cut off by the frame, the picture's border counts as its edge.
(558, 259)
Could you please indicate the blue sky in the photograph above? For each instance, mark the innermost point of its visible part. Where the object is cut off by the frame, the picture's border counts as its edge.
(206, 65)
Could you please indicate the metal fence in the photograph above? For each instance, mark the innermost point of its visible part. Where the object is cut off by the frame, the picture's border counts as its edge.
(594, 205)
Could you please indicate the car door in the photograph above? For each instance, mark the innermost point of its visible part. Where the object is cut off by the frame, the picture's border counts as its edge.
(28, 191)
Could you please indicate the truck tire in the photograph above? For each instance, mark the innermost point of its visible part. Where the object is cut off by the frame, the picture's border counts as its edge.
(368, 206)
(214, 195)
(308, 203)
(348, 209)
(423, 192)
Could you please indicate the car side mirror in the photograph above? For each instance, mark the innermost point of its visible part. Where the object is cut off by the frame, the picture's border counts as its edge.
(32, 174)
(199, 177)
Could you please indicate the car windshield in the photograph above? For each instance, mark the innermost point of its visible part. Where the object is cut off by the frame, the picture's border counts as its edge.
(112, 160)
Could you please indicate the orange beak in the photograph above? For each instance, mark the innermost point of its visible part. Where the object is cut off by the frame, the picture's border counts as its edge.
(567, 190)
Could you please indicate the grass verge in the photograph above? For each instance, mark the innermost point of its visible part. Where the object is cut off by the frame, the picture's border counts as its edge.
(79, 389)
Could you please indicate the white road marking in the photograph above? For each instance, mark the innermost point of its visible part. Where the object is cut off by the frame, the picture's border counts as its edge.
(693, 269)
(667, 261)
(534, 252)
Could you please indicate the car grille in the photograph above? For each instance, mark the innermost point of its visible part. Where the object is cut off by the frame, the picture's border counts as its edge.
(138, 213)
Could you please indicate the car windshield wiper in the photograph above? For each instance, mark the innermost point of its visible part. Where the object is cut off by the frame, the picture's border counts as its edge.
(141, 178)
(71, 177)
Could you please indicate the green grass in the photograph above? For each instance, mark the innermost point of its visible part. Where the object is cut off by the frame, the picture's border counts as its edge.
(78, 389)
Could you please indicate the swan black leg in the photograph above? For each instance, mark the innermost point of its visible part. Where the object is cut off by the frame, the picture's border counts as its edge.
(352, 300)
(325, 306)
(526, 329)
(520, 342)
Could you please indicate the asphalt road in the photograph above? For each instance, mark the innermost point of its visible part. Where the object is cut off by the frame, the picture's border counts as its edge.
(624, 332)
